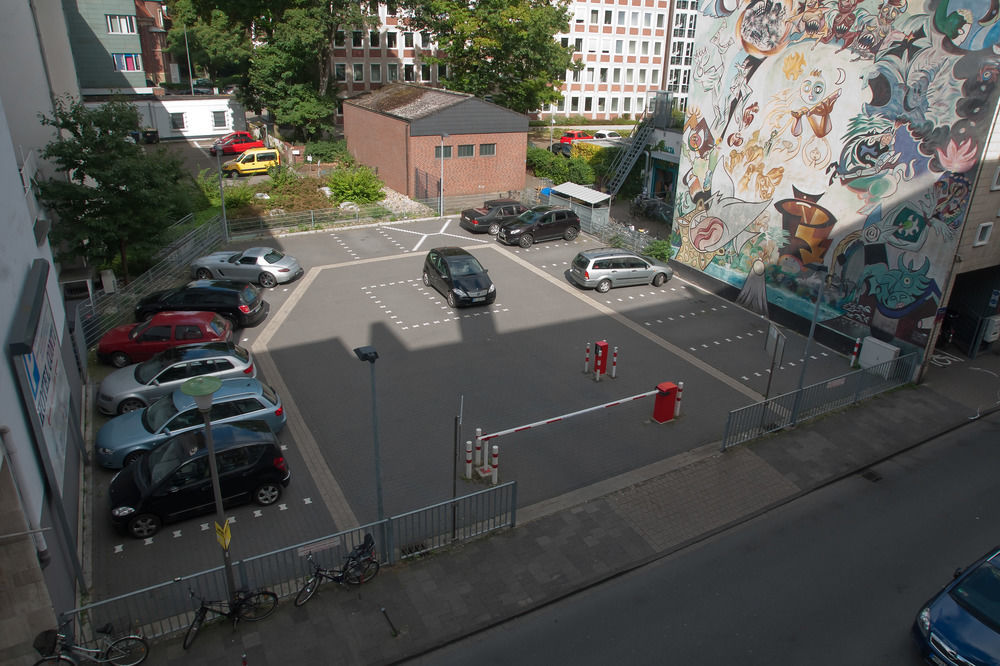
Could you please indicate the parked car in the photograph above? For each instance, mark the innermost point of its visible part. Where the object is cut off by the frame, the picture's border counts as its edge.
(239, 302)
(961, 624)
(234, 143)
(173, 481)
(489, 216)
(458, 276)
(607, 267)
(254, 160)
(264, 265)
(203, 87)
(607, 134)
(127, 438)
(572, 135)
(538, 224)
(132, 343)
(136, 386)
(562, 149)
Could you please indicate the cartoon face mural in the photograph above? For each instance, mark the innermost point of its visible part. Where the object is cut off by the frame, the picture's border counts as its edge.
(839, 138)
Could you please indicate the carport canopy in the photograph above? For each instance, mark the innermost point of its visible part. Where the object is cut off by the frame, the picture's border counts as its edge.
(592, 206)
(583, 194)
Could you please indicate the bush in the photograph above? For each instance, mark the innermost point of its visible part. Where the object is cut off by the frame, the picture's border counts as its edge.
(330, 151)
(579, 171)
(357, 184)
(282, 178)
(658, 249)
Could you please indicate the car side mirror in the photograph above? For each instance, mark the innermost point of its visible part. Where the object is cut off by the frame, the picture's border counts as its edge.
(958, 572)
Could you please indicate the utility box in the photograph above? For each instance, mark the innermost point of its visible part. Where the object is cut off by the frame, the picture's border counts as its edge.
(991, 329)
(666, 402)
(601, 357)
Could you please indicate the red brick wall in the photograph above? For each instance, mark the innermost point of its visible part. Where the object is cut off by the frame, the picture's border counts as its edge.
(379, 142)
(472, 175)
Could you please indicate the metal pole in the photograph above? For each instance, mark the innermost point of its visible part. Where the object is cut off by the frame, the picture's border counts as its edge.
(188, 54)
(222, 195)
(805, 355)
(378, 458)
(441, 181)
(220, 514)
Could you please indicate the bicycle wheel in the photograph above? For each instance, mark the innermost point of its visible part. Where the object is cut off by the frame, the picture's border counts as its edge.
(308, 590)
(196, 623)
(55, 659)
(257, 606)
(361, 571)
(127, 651)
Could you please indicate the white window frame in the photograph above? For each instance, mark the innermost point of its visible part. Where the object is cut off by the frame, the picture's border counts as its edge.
(995, 185)
(983, 233)
(216, 115)
(120, 21)
(120, 61)
(376, 72)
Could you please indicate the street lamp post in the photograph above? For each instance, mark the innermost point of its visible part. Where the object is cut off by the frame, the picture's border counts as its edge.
(202, 389)
(812, 332)
(552, 124)
(440, 183)
(369, 354)
(187, 52)
(222, 194)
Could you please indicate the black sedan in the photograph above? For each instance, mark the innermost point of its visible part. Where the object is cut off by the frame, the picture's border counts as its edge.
(459, 277)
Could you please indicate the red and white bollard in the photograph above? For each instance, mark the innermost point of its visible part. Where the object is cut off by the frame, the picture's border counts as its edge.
(857, 348)
(468, 458)
(597, 364)
(495, 465)
(479, 447)
(680, 394)
(614, 362)
(586, 360)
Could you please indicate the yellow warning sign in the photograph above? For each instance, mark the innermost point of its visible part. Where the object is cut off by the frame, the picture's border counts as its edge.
(223, 535)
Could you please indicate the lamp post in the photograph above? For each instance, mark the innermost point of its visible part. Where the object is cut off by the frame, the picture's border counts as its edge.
(440, 183)
(202, 389)
(369, 354)
(820, 290)
(187, 52)
(552, 124)
(222, 194)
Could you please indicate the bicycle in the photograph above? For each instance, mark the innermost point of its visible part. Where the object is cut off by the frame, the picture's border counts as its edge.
(58, 647)
(249, 606)
(360, 566)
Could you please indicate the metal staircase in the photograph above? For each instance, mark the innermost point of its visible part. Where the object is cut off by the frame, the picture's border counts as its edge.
(629, 153)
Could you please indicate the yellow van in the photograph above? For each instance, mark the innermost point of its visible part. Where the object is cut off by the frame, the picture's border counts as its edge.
(255, 160)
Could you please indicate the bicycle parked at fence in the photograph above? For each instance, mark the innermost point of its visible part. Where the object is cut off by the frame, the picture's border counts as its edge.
(249, 606)
(57, 646)
(360, 566)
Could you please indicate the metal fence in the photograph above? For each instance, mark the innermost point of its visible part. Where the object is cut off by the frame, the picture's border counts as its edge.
(319, 219)
(617, 234)
(786, 410)
(167, 608)
(106, 310)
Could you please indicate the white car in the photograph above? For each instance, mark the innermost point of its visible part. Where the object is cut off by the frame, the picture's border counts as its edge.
(263, 265)
(607, 134)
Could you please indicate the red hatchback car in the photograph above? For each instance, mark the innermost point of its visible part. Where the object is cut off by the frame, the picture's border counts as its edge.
(235, 143)
(133, 343)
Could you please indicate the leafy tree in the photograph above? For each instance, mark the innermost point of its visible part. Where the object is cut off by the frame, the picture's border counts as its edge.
(113, 196)
(359, 184)
(218, 44)
(503, 48)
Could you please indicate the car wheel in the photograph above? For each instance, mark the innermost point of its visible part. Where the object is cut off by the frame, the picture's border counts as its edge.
(267, 494)
(133, 457)
(452, 301)
(203, 274)
(119, 359)
(525, 240)
(427, 279)
(144, 525)
(267, 280)
(231, 175)
(603, 286)
(659, 279)
(130, 405)
(571, 233)
(494, 229)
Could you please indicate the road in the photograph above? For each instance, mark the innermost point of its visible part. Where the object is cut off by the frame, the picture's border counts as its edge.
(835, 577)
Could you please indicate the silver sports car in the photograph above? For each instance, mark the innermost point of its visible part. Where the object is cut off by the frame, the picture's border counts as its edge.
(263, 265)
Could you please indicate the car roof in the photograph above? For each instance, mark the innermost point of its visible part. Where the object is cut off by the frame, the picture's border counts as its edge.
(198, 350)
(227, 436)
(181, 316)
(219, 285)
(230, 388)
(600, 252)
(452, 251)
(492, 203)
(257, 251)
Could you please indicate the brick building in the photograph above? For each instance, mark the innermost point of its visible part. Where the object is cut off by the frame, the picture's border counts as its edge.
(413, 135)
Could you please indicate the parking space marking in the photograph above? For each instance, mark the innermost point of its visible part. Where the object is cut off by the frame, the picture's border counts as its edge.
(343, 244)
(431, 295)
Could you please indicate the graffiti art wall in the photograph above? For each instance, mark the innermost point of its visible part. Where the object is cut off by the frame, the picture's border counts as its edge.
(829, 147)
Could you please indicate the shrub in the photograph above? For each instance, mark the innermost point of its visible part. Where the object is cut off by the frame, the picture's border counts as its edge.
(282, 178)
(579, 171)
(658, 249)
(330, 151)
(238, 196)
(357, 184)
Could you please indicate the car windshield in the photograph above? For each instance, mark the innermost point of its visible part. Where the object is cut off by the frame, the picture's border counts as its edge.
(163, 460)
(465, 265)
(273, 257)
(529, 216)
(217, 325)
(147, 371)
(979, 594)
(157, 414)
(581, 261)
(248, 294)
(138, 330)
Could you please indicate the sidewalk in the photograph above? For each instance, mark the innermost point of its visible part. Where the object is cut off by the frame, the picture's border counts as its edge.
(565, 545)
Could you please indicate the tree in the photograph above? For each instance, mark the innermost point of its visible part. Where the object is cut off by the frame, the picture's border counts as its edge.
(114, 196)
(217, 44)
(505, 49)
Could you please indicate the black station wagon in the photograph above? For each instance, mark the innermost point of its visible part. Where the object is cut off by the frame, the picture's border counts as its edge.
(239, 302)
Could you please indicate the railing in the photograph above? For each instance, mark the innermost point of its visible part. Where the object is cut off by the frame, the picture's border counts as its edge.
(786, 410)
(167, 608)
(615, 234)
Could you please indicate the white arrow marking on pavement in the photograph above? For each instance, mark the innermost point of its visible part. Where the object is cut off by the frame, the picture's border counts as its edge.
(177, 534)
(204, 527)
(257, 513)
(282, 507)
(119, 548)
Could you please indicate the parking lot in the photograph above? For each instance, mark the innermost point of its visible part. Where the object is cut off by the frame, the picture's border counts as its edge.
(516, 362)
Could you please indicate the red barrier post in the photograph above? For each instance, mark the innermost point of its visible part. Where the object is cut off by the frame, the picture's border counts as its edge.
(666, 397)
(600, 359)
(614, 363)
(495, 465)
(857, 348)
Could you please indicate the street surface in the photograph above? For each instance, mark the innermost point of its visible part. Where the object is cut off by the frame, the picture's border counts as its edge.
(835, 577)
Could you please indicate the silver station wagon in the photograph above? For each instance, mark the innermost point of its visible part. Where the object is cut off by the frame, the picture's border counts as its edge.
(607, 267)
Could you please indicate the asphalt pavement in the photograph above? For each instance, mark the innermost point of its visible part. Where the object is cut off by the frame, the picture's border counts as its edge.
(582, 538)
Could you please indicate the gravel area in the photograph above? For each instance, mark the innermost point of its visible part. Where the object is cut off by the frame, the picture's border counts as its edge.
(401, 204)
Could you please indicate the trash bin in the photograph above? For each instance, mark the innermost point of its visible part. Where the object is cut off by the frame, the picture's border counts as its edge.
(150, 136)
(136, 136)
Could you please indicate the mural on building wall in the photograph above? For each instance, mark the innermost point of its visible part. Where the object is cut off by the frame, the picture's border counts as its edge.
(828, 147)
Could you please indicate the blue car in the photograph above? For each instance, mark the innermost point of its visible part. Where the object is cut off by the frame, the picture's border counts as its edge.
(125, 439)
(960, 626)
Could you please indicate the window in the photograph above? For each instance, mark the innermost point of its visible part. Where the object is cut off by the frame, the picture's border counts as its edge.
(408, 40)
(631, 47)
(627, 104)
(607, 16)
(574, 104)
(578, 45)
(564, 42)
(594, 16)
(983, 234)
(373, 39)
(591, 45)
(127, 62)
(340, 71)
(621, 18)
(443, 72)
(121, 25)
(694, 20)
(656, 48)
(628, 75)
(425, 39)
(408, 74)
(654, 76)
(185, 332)
(447, 152)
(393, 72)
(659, 20)
(590, 75)
(177, 121)
(995, 185)
(356, 38)
(487, 149)
(614, 105)
(642, 76)
(600, 104)
(619, 44)
(647, 20)
(616, 75)
(645, 48)
(338, 39)
(425, 72)
(359, 72)
(588, 104)
(604, 74)
(576, 76)
(390, 40)
(562, 104)
(218, 119)
(606, 45)
(635, 18)
(376, 73)
(467, 150)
